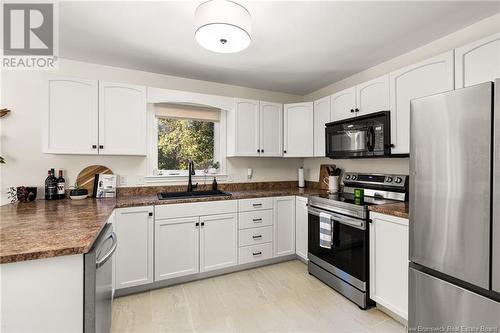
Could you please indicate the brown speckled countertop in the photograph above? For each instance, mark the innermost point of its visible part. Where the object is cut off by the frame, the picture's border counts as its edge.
(44, 229)
(399, 209)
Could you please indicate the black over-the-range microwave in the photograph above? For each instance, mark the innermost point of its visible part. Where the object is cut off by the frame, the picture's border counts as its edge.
(364, 136)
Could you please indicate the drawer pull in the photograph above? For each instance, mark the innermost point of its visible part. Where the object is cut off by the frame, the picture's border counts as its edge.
(257, 220)
(257, 205)
(257, 236)
(257, 253)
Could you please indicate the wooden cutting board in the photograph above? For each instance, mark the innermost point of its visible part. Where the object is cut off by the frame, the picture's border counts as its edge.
(323, 173)
(85, 178)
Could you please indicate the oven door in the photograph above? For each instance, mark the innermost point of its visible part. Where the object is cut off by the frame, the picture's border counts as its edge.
(365, 136)
(348, 256)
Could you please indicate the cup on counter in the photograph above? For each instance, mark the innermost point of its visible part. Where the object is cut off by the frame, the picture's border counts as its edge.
(333, 183)
(26, 193)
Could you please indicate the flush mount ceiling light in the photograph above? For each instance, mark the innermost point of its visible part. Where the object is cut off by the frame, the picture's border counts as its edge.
(223, 26)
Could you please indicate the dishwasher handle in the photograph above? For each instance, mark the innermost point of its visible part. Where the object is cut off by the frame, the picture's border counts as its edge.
(108, 255)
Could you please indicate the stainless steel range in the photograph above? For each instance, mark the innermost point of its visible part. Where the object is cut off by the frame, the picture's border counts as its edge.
(338, 231)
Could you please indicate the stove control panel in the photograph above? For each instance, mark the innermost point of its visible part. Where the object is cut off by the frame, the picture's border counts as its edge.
(375, 179)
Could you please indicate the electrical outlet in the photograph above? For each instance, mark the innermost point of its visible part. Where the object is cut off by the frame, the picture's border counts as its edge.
(123, 180)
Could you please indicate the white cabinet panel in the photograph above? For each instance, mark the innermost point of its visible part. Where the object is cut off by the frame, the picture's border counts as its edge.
(122, 119)
(301, 227)
(373, 96)
(284, 226)
(71, 122)
(389, 262)
(254, 253)
(271, 129)
(176, 247)
(246, 128)
(428, 77)
(247, 205)
(259, 218)
(298, 130)
(218, 241)
(343, 104)
(321, 117)
(255, 236)
(477, 62)
(134, 253)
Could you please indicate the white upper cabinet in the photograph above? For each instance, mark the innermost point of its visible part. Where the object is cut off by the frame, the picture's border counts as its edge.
(343, 104)
(71, 123)
(271, 129)
(122, 119)
(218, 241)
(243, 128)
(428, 77)
(321, 117)
(298, 130)
(477, 62)
(372, 96)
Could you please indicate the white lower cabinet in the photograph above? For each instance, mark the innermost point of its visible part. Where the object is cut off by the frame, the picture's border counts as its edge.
(389, 262)
(301, 227)
(176, 247)
(218, 242)
(255, 253)
(134, 253)
(284, 226)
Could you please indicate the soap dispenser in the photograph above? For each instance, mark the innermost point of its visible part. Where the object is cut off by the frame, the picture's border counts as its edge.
(214, 184)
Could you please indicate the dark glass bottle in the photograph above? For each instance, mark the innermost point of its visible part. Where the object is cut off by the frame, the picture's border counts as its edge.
(61, 186)
(51, 186)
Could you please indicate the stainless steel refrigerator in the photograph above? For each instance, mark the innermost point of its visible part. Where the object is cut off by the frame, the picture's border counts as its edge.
(454, 274)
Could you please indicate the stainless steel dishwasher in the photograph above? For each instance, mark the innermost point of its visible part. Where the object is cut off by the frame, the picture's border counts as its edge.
(98, 282)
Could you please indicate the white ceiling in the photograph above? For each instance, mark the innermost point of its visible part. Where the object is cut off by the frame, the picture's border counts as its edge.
(297, 47)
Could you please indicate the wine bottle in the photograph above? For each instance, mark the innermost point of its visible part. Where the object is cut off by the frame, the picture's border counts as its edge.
(51, 186)
(61, 186)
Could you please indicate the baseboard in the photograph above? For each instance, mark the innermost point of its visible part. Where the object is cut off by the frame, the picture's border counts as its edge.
(393, 315)
(200, 276)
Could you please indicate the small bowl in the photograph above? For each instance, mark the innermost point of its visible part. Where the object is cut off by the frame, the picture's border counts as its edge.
(79, 194)
(78, 197)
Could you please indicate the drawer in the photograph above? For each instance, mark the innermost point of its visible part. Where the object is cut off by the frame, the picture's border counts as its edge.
(259, 218)
(256, 236)
(245, 205)
(255, 253)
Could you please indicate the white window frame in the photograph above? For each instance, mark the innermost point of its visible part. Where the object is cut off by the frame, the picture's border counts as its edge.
(182, 175)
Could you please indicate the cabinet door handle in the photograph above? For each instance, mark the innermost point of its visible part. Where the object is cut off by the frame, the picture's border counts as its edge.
(150, 213)
(262, 150)
(357, 110)
(257, 220)
(101, 147)
(94, 146)
(352, 110)
(202, 224)
(258, 150)
(284, 151)
(197, 224)
(257, 205)
(257, 253)
(256, 236)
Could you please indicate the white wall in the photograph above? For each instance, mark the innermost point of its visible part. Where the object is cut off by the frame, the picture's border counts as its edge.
(25, 93)
(467, 35)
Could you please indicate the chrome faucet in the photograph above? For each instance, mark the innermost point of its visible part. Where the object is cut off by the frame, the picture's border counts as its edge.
(191, 172)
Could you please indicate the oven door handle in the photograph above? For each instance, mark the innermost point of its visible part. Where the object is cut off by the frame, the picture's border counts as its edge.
(356, 223)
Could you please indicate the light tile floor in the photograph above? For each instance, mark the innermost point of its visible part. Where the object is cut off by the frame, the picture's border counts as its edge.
(276, 298)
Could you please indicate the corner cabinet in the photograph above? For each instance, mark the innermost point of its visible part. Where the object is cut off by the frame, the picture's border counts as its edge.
(298, 130)
(110, 118)
(134, 253)
(477, 62)
(301, 227)
(428, 77)
(321, 117)
(284, 226)
(389, 259)
(255, 128)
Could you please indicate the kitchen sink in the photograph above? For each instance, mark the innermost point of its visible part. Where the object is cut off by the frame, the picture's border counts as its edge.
(193, 194)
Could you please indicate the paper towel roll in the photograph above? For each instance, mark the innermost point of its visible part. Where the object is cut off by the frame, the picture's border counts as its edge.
(301, 178)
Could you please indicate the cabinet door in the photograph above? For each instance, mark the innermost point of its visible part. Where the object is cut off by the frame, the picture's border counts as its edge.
(284, 226)
(389, 263)
(176, 247)
(428, 77)
(122, 119)
(373, 96)
(71, 122)
(321, 117)
(298, 130)
(477, 62)
(343, 104)
(246, 127)
(301, 229)
(134, 253)
(218, 241)
(271, 129)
